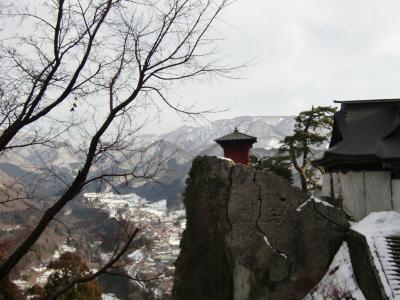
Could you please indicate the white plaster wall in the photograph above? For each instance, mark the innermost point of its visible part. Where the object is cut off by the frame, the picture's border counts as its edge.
(363, 192)
(353, 193)
(378, 191)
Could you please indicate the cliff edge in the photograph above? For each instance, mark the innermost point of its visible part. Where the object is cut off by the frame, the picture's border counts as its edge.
(251, 235)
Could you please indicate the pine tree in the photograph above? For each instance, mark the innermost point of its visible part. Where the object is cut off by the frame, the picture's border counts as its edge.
(277, 165)
(312, 129)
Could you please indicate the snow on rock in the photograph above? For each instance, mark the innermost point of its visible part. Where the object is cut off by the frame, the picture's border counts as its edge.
(377, 227)
(339, 281)
(109, 297)
(315, 200)
(274, 249)
(266, 241)
(225, 158)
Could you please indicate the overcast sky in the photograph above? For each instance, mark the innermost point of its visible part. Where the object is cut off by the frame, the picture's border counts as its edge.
(305, 53)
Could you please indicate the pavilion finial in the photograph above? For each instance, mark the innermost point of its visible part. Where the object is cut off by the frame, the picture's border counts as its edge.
(236, 130)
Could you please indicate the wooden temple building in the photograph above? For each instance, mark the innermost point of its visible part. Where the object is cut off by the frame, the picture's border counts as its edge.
(237, 146)
(362, 165)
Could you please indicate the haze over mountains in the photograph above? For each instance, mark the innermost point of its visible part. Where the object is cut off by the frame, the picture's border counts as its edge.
(175, 150)
(269, 130)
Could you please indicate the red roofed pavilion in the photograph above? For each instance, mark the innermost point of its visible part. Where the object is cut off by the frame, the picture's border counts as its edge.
(237, 146)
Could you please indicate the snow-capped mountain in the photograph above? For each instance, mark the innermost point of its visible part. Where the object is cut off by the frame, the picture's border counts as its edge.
(175, 150)
(269, 130)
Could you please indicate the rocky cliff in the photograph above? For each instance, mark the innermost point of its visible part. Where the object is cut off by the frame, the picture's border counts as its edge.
(251, 235)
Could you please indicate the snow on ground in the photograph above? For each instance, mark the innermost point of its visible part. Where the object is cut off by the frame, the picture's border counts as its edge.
(39, 269)
(65, 248)
(9, 228)
(376, 227)
(105, 257)
(339, 280)
(131, 201)
(175, 214)
(42, 272)
(158, 208)
(41, 279)
(62, 249)
(174, 240)
(109, 297)
(21, 284)
(137, 255)
(379, 223)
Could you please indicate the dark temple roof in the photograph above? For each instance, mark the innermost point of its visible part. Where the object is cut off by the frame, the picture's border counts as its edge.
(236, 136)
(377, 101)
(365, 133)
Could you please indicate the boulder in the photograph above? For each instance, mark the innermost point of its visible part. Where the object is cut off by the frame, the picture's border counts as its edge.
(251, 235)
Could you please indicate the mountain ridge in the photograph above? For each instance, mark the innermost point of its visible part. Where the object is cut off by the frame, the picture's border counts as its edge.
(176, 149)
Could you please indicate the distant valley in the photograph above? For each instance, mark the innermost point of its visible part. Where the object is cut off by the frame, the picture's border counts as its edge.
(43, 174)
(172, 152)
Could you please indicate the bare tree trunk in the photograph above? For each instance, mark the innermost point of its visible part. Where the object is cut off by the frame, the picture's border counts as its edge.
(68, 195)
(303, 179)
(8, 135)
(48, 216)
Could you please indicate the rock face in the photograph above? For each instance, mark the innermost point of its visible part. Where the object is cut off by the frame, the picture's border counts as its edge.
(251, 235)
(364, 267)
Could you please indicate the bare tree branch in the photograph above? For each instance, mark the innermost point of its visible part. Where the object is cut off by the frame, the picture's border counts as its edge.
(113, 54)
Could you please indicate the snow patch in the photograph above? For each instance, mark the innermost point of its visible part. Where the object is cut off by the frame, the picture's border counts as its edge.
(379, 223)
(174, 241)
(339, 280)
(109, 297)
(39, 269)
(132, 202)
(225, 158)
(65, 248)
(22, 284)
(270, 246)
(175, 214)
(266, 240)
(137, 255)
(42, 279)
(315, 200)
